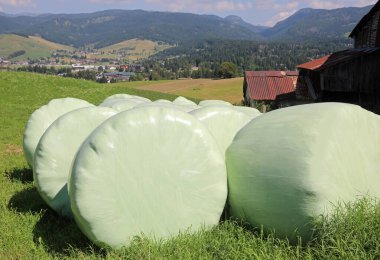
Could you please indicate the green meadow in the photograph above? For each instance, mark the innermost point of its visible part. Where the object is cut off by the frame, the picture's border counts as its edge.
(30, 230)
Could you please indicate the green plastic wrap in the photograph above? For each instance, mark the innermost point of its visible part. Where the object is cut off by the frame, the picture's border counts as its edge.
(293, 164)
(165, 101)
(109, 101)
(223, 123)
(249, 111)
(56, 151)
(122, 97)
(42, 118)
(184, 101)
(206, 103)
(122, 104)
(154, 171)
(168, 105)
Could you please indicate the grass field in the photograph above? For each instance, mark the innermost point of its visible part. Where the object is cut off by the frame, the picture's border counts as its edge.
(30, 230)
(35, 47)
(230, 90)
(133, 49)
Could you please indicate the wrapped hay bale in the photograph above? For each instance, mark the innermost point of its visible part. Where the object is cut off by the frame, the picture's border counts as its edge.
(122, 97)
(42, 118)
(205, 103)
(56, 151)
(249, 111)
(154, 171)
(223, 123)
(290, 165)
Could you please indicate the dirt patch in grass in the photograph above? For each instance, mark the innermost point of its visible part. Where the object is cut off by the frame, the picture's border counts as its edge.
(13, 149)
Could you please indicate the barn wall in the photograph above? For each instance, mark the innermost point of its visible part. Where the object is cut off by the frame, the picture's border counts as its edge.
(368, 35)
(357, 81)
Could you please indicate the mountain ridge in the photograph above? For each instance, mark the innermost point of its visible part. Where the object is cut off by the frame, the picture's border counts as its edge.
(107, 27)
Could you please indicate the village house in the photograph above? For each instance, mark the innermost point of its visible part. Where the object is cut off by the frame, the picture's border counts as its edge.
(118, 76)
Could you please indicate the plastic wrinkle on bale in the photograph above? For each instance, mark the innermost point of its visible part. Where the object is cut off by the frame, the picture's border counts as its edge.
(291, 165)
(42, 118)
(223, 123)
(56, 152)
(154, 171)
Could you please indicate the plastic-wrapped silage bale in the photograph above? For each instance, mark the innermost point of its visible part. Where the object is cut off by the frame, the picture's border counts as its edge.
(42, 118)
(290, 165)
(223, 122)
(56, 151)
(205, 103)
(115, 97)
(151, 170)
(249, 111)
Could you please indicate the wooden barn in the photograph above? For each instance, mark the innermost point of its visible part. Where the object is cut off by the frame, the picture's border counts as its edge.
(367, 31)
(275, 89)
(353, 75)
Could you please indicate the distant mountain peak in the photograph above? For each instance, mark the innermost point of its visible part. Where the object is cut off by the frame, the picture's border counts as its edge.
(317, 24)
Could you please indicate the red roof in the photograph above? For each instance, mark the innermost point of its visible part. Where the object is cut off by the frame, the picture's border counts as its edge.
(336, 58)
(267, 85)
(314, 64)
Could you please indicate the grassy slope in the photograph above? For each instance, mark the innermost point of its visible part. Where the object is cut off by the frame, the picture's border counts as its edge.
(230, 90)
(134, 49)
(35, 47)
(30, 230)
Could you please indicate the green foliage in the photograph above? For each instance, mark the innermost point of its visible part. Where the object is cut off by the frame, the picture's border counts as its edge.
(30, 230)
(246, 55)
(16, 54)
(227, 70)
(137, 77)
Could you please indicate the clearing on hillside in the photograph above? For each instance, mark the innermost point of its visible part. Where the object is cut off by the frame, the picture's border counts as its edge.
(34, 47)
(133, 49)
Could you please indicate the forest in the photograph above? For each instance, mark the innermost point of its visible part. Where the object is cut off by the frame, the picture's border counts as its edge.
(203, 59)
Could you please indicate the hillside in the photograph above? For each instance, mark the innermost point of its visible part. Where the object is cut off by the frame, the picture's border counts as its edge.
(133, 49)
(317, 24)
(34, 47)
(112, 26)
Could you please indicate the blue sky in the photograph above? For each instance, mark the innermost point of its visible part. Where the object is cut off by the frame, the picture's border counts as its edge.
(264, 12)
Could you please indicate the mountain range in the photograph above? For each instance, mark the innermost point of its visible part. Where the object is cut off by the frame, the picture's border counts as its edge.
(108, 27)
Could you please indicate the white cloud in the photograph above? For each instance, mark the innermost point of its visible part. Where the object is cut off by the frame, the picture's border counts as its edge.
(326, 4)
(279, 17)
(201, 6)
(15, 2)
(365, 2)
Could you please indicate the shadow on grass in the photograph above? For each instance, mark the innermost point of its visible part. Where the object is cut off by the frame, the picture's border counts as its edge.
(24, 175)
(58, 235)
(27, 200)
(62, 236)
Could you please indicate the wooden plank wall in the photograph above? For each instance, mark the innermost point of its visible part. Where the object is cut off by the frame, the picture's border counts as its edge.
(358, 81)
